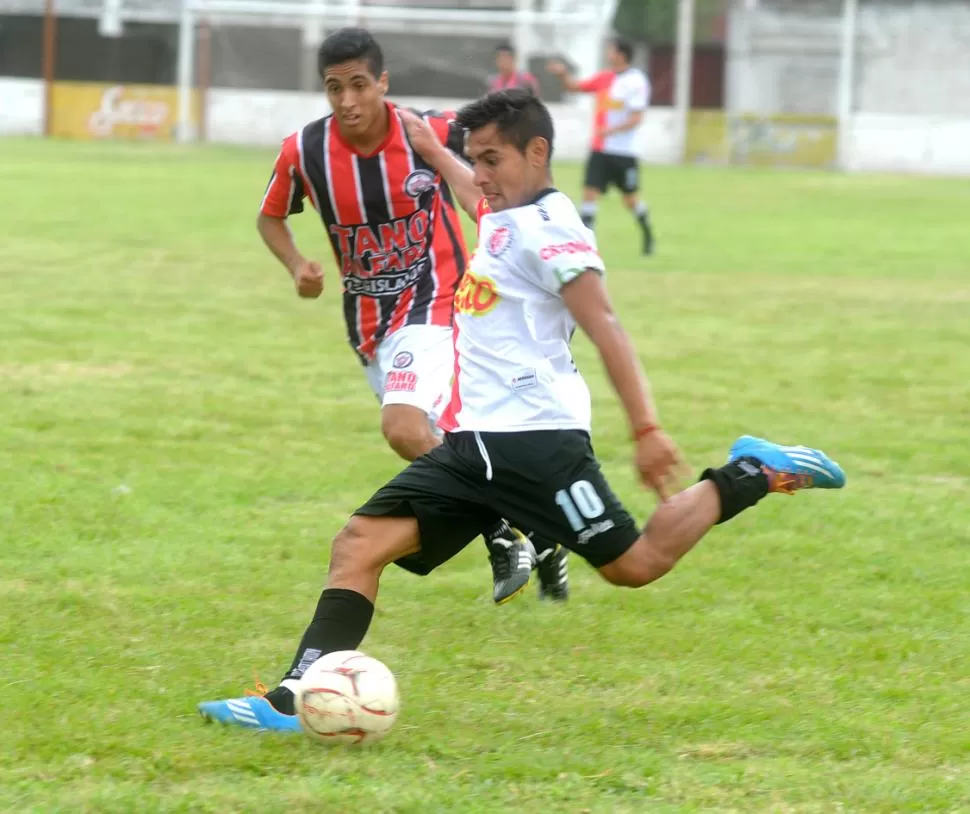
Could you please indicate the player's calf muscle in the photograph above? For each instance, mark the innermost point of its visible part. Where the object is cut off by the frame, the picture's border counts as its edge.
(674, 529)
(640, 565)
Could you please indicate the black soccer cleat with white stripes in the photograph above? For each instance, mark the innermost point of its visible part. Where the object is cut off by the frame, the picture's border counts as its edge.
(512, 558)
(553, 567)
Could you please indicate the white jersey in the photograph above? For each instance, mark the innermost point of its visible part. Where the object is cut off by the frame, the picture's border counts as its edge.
(513, 367)
(618, 97)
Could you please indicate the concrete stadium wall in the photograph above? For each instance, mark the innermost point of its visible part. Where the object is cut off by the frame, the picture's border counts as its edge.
(877, 142)
(21, 107)
(912, 58)
(918, 144)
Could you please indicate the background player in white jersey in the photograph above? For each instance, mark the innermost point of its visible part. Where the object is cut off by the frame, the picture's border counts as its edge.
(622, 96)
(518, 422)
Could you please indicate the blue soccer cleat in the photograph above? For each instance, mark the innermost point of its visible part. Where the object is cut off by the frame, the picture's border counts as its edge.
(251, 712)
(790, 468)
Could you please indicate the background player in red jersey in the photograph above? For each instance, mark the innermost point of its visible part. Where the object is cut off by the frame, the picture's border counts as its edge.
(509, 75)
(398, 243)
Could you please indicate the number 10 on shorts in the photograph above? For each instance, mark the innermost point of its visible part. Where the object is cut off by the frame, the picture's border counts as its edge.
(580, 503)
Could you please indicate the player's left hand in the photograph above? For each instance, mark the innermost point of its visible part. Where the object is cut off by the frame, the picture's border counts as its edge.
(660, 464)
(420, 134)
(308, 276)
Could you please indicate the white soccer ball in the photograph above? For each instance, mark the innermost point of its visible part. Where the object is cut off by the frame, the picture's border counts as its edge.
(347, 697)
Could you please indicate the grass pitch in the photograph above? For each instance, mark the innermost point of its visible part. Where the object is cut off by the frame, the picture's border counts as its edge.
(180, 437)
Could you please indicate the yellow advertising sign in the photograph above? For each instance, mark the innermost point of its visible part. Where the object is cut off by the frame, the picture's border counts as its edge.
(775, 141)
(707, 141)
(83, 110)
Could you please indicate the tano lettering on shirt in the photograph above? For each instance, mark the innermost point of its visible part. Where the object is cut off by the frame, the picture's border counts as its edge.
(384, 259)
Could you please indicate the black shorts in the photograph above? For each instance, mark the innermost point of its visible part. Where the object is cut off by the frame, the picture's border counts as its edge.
(604, 170)
(547, 482)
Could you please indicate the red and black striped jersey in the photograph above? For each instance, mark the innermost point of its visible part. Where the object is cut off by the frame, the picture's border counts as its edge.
(391, 219)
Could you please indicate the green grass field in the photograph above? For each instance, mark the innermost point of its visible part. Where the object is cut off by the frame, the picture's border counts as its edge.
(180, 437)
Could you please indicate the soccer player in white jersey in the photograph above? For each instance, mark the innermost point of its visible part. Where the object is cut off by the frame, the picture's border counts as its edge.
(396, 238)
(622, 96)
(517, 440)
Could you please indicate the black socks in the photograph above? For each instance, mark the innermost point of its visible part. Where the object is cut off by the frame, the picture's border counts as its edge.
(499, 529)
(647, 233)
(740, 484)
(340, 623)
(643, 219)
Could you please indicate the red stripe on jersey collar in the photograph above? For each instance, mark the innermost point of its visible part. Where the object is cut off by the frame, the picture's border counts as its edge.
(392, 132)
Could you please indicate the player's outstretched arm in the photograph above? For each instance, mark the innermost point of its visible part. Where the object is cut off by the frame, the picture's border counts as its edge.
(560, 69)
(307, 274)
(657, 458)
(456, 174)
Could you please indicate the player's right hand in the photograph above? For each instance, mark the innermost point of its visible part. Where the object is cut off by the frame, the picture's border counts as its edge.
(660, 464)
(420, 134)
(308, 277)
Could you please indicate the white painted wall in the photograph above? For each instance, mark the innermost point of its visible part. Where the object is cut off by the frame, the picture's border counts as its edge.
(912, 58)
(21, 107)
(877, 142)
(916, 59)
(781, 61)
(920, 144)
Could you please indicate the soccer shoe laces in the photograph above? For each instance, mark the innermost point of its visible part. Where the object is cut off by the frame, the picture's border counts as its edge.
(501, 561)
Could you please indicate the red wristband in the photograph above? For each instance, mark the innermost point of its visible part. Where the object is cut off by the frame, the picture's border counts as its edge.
(644, 431)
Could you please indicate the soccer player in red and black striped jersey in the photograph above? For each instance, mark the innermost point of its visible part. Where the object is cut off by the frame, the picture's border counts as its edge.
(397, 241)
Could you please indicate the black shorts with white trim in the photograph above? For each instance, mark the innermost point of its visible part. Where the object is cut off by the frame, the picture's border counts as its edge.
(604, 170)
(543, 481)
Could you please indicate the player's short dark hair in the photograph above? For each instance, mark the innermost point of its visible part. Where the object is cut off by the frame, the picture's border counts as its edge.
(518, 113)
(505, 48)
(347, 44)
(624, 47)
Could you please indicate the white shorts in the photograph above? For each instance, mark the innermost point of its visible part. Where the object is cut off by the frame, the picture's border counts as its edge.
(414, 366)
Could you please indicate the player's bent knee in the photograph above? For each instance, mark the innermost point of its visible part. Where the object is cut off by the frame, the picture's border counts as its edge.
(367, 544)
(350, 550)
(638, 566)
